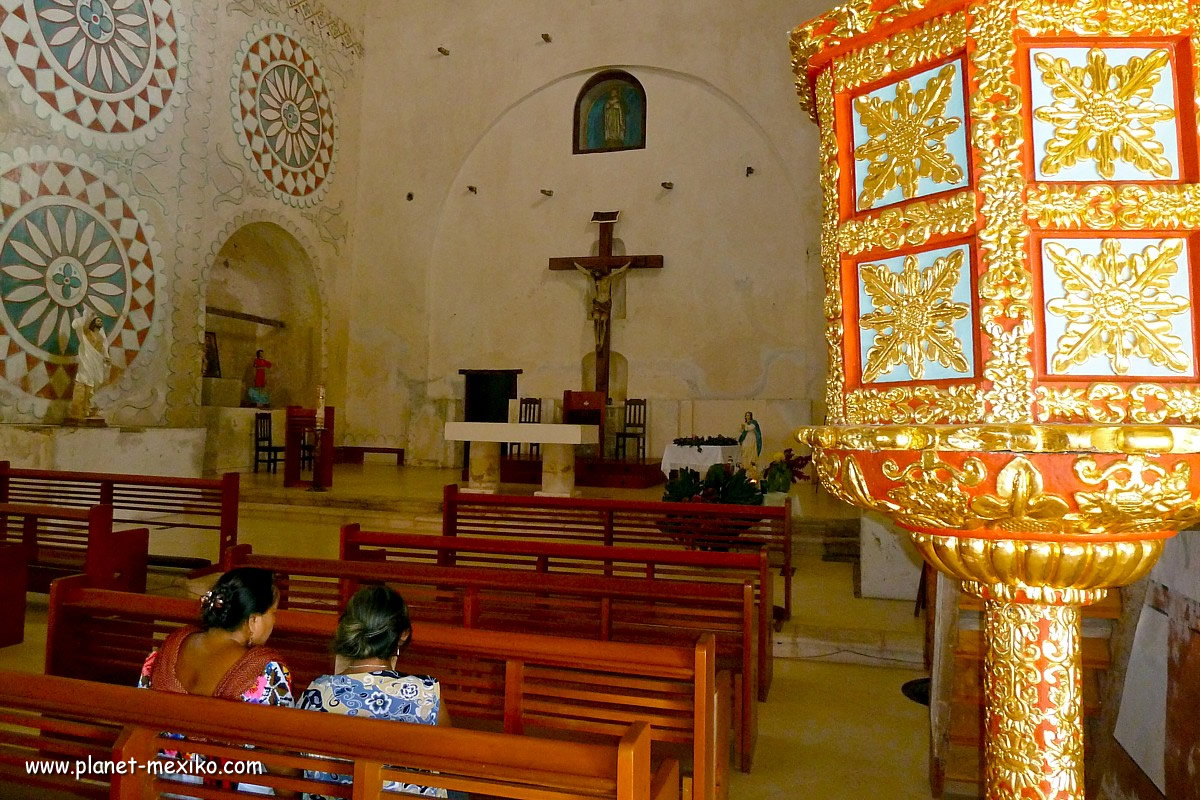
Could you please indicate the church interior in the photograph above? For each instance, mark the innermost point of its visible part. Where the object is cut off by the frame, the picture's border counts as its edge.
(750, 398)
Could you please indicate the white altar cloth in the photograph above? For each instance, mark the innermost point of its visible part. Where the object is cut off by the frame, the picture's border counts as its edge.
(678, 456)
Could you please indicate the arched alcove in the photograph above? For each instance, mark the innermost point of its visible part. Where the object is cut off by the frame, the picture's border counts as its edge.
(264, 272)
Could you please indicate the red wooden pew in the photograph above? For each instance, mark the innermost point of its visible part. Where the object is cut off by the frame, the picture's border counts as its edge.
(56, 541)
(59, 721)
(12, 594)
(522, 683)
(140, 500)
(578, 559)
(606, 608)
(695, 526)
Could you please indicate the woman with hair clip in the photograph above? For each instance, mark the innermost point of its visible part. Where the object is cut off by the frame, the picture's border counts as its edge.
(372, 632)
(225, 656)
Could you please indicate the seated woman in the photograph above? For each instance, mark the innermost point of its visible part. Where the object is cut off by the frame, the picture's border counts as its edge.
(225, 656)
(371, 634)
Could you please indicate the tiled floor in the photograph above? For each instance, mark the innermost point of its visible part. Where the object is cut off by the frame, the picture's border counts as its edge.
(829, 731)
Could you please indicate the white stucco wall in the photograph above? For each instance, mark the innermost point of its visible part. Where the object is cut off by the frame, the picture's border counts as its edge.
(454, 280)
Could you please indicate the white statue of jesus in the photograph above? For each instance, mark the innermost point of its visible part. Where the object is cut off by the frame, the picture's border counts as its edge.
(94, 363)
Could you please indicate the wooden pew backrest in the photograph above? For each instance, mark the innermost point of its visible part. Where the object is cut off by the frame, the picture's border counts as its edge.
(694, 526)
(63, 720)
(519, 683)
(139, 500)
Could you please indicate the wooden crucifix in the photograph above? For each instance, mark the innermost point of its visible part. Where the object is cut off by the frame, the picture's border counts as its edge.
(604, 269)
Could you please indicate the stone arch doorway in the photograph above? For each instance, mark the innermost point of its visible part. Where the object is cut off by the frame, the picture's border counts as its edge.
(263, 295)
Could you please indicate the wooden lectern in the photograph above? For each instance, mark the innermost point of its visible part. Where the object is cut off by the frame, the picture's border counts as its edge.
(299, 422)
(586, 408)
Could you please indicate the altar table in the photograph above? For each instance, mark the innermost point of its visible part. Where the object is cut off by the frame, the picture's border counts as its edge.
(558, 452)
(678, 456)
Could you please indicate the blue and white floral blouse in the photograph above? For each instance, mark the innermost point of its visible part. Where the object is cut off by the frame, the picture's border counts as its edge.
(386, 695)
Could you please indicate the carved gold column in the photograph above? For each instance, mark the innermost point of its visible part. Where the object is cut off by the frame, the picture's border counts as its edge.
(1010, 232)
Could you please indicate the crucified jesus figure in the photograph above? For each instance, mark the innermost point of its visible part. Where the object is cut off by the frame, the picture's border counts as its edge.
(602, 284)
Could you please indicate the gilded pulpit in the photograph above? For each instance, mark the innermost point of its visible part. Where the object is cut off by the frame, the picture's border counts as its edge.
(1009, 241)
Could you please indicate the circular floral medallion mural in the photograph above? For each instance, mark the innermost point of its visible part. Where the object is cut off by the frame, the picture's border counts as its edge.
(108, 71)
(71, 239)
(284, 115)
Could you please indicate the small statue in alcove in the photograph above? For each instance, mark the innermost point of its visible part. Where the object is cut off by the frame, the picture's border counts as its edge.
(258, 392)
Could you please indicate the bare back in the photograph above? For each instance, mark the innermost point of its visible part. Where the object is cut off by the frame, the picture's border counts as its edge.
(205, 660)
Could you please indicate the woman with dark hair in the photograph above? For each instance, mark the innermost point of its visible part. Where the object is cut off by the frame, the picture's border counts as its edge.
(372, 632)
(225, 656)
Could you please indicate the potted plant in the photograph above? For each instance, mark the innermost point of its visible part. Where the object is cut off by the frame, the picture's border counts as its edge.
(785, 469)
(721, 484)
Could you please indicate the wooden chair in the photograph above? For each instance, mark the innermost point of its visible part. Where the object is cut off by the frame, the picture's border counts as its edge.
(531, 412)
(308, 449)
(635, 428)
(264, 451)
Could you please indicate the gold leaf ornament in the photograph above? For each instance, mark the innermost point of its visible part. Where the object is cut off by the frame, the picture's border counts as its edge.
(1119, 305)
(1020, 502)
(907, 138)
(1105, 113)
(914, 316)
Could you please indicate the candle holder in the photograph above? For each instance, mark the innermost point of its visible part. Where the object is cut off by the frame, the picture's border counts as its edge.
(1011, 206)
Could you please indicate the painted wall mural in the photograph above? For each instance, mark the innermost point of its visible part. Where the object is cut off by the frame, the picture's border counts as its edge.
(284, 115)
(105, 71)
(71, 238)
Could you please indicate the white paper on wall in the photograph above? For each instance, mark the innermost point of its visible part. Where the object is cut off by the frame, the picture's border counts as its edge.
(1179, 567)
(1142, 719)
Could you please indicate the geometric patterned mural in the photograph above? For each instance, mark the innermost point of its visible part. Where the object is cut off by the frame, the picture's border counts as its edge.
(284, 115)
(106, 70)
(70, 238)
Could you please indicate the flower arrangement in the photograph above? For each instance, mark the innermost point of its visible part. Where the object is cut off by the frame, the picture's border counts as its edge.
(785, 469)
(720, 484)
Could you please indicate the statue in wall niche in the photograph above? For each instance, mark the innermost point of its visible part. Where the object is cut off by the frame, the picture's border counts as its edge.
(258, 392)
(94, 367)
(614, 120)
(751, 442)
(602, 286)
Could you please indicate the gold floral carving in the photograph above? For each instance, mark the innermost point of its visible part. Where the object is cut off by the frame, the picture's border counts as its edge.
(1006, 286)
(1033, 682)
(920, 404)
(1103, 17)
(1169, 207)
(911, 224)
(1128, 502)
(907, 138)
(1104, 207)
(835, 384)
(914, 316)
(1008, 438)
(930, 494)
(830, 29)
(1105, 113)
(1073, 207)
(902, 51)
(1118, 305)
(1144, 403)
(1021, 503)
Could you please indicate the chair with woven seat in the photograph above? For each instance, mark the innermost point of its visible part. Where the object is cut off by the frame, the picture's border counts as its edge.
(634, 428)
(530, 411)
(265, 451)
